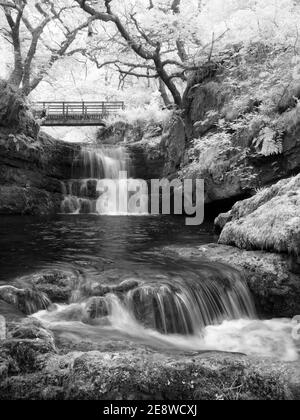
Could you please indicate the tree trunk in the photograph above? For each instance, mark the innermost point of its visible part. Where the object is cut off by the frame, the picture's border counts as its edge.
(15, 79)
(168, 81)
(164, 94)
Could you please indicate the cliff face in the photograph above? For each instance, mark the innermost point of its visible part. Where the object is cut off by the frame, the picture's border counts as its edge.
(32, 164)
(242, 122)
(156, 149)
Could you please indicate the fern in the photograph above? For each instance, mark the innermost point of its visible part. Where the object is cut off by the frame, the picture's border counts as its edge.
(268, 143)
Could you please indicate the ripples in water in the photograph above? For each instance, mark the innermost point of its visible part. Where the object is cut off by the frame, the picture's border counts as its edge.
(176, 304)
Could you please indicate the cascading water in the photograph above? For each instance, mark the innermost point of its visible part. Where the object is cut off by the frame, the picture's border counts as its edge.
(94, 164)
(207, 309)
(162, 302)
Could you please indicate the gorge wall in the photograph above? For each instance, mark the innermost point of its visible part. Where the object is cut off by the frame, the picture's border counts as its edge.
(242, 120)
(32, 164)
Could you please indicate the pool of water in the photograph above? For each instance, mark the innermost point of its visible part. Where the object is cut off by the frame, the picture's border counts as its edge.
(195, 305)
(89, 243)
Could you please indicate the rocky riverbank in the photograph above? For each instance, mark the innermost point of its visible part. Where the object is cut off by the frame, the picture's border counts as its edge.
(34, 366)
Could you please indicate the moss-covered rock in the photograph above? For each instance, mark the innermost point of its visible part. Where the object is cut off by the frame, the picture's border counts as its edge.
(146, 375)
(32, 367)
(25, 348)
(152, 376)
(57, 285)
(15, 113)
(268, 221)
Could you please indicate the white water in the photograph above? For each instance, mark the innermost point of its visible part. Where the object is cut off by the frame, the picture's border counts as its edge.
(268, 339)
(82, 193)
(190, 316)
(213, 311)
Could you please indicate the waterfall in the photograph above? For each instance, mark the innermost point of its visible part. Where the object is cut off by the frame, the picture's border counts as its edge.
(81, 193)
(176, 304)
(181, 303)
(209, 311)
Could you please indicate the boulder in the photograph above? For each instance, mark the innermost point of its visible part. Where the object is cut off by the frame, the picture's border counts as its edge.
(57, 285)
(268, 221)
(25, 348)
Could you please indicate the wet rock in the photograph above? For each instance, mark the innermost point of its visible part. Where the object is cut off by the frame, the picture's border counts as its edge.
(98, 307)
(31, 329)
(275, 288)
(27, 301)
(57, 285)
(122, 288)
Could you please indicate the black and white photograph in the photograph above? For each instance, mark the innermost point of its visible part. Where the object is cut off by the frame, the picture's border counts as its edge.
(149, 203)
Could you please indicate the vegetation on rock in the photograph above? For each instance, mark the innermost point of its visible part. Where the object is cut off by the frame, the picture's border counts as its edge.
(29, 357)
(269, 221)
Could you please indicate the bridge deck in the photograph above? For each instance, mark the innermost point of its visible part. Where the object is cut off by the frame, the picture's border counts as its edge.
(75, 113)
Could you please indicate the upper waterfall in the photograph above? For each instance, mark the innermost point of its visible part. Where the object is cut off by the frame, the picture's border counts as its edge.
(95, 164)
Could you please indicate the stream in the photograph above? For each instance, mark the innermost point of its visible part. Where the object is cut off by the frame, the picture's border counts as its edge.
(127, 287)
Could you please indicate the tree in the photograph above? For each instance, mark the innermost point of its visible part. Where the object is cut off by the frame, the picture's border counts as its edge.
(151, 42)
(40, 34)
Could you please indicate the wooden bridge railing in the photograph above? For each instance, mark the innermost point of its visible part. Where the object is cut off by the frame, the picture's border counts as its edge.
(76, 113)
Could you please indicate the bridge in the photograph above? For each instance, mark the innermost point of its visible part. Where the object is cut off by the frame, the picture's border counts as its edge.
(59, 114)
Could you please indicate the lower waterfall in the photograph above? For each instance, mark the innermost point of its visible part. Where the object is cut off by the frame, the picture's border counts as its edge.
(210, 308)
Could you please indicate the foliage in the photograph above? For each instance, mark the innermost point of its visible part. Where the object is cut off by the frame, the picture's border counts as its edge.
(268, 143)
(89, 52)
(151, 113)
(39, 33)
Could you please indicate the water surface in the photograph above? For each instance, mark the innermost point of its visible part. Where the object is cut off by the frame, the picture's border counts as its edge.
(196, 305)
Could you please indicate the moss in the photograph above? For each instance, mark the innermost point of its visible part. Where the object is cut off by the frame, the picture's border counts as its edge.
(31, 369)
(14, 112)
(268, 221)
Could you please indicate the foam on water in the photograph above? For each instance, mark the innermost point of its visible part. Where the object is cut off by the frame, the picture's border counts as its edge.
(210, 314)
(267, 339)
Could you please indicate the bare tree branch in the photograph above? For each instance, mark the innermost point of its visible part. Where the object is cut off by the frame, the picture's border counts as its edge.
(151, 52)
